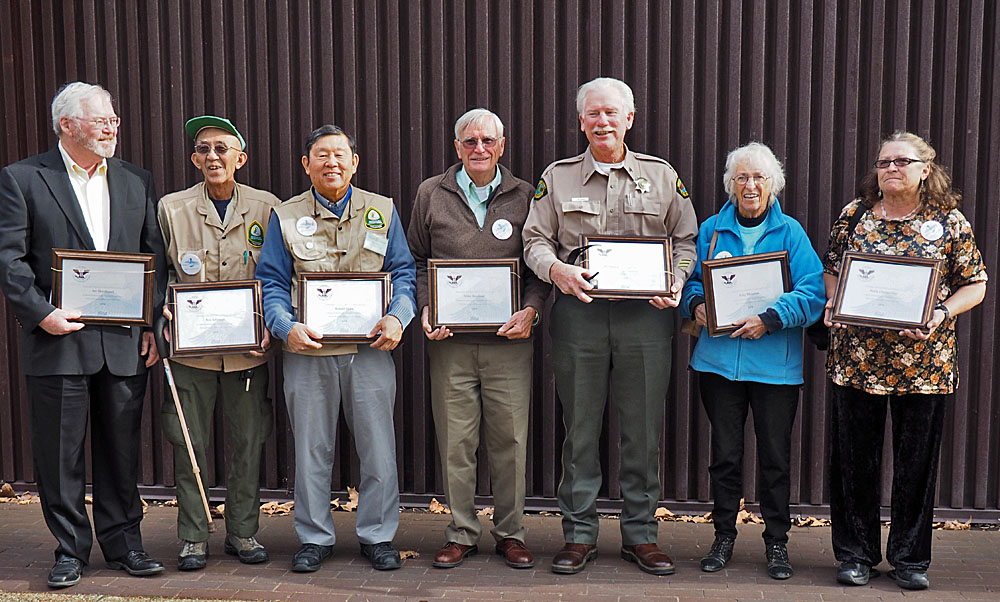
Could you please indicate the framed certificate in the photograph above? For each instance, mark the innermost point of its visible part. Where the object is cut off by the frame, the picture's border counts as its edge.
(886, 291)
(740, 287)
(343, 306)
(628, 267)
(215, 318)
(473, 295)
(105, 287)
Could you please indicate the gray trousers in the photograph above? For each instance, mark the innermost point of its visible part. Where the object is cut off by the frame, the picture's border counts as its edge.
(314, 388)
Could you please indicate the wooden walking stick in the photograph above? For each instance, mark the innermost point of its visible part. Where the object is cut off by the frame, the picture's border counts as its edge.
(164, 350)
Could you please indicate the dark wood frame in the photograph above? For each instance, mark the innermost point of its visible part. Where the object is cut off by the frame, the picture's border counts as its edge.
(668, 265)
(513, 264)
(208, 287)
(930, 295)
(59, 256)
(710, 265)
(384, 277)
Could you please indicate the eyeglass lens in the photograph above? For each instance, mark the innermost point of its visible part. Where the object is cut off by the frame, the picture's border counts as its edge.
(898, 162)
(472, 143)
(204, 149)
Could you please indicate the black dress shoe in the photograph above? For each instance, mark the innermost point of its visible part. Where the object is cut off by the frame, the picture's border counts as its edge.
(855, 573)
(908, 579)
(719, 555)
(137, 563)
(778, 566)
(309, 557)
(65, 572)
(383, 556)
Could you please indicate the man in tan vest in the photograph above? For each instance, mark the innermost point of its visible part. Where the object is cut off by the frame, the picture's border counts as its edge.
(335, 227)
(214, 231)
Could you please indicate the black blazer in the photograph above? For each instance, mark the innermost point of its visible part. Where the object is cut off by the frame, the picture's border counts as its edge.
(39, 212)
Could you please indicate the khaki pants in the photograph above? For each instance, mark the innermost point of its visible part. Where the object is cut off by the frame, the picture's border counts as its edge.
(488, 384)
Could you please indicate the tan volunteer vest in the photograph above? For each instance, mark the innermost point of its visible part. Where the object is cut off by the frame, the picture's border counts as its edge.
(337, 245)
(201, 248)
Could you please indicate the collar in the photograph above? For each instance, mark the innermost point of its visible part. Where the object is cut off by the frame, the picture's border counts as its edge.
(466, 185)
(727, 219)
(74, 168)
(336, 207)
(630, 165)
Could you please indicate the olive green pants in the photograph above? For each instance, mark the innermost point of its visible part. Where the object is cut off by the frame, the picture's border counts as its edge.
(618, 350)
(249, 419)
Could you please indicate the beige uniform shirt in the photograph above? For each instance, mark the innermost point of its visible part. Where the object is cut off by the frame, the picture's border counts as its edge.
(201, 248)
(341, 244)
(643, 198)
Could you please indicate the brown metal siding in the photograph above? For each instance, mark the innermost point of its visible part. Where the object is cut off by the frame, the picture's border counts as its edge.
(820, 82)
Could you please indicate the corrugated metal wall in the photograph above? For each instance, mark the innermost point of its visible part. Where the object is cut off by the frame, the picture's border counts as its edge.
(820, 82)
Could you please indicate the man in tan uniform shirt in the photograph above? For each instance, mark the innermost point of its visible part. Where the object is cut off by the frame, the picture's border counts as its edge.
(599, 345)
(213, 232)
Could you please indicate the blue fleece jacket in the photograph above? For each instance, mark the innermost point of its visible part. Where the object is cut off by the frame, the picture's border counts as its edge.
(775, 358)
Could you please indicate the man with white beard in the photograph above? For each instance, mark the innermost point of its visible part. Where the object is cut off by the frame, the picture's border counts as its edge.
(78, 196)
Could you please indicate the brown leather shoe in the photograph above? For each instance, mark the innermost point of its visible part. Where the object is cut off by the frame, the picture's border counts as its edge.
(573, 557)
(516, 554)
(452, 555)
(649, 558)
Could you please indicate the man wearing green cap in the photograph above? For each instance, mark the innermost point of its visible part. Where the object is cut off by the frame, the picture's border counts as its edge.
(214, 231)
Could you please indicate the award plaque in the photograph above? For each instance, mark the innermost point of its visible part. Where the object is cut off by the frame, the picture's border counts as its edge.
(628, 267)
(215, 318)
(473, 295)
(343, 307)
(741, 287)
(105, 287)
(886, 291)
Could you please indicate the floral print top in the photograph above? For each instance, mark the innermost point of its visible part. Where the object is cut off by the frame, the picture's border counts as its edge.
(881, 361)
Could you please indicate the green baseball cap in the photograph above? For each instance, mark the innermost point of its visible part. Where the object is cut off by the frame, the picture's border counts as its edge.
(197, 124)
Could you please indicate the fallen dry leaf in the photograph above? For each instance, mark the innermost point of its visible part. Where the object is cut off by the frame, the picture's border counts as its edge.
(404, 554)
(6, 491)
(27, 498)
(351, 505)
(954, 525)
(437, 507)
(276, 509)
(487, 512)
(663, 514)
(810, 521)
(171, 503)
(218, 511)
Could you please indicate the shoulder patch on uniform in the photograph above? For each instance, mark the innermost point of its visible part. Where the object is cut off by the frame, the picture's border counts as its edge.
(374, 219)
(681, 190)
(255, 234)
(541, 189)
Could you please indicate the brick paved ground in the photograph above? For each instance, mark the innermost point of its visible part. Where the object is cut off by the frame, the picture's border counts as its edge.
(966, 566)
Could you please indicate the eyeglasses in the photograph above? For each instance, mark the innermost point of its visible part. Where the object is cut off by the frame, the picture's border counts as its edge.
(898, 162)
(472, 143)
(744, 180)
(220, 149)
(103, 122)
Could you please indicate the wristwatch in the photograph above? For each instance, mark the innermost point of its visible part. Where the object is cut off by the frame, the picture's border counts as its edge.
(944, 308)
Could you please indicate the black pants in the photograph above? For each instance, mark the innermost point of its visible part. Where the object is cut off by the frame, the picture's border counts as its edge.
(59, 408)
(774, 406)
(855, 475)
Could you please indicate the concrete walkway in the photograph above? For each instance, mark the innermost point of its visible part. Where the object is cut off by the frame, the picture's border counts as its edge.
(966, 566)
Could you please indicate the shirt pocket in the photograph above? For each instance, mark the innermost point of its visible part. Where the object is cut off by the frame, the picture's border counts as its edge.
(642, 215)
(582, 215)
(308, 250)
(190, 264)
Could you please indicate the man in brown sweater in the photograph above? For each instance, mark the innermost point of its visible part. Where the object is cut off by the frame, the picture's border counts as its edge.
(475, 210)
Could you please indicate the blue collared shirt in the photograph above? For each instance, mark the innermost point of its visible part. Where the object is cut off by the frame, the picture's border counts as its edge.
(275, 271)
(469, 189)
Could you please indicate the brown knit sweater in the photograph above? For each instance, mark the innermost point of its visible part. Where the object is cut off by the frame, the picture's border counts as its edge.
(442, 226)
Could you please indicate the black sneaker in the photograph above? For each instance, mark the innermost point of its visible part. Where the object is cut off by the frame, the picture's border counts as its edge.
(309, 557)
(855, 573)
(384, 556)
(908, 579)
(193, 556)
(247, 549)
(778, 566)
(719, 555)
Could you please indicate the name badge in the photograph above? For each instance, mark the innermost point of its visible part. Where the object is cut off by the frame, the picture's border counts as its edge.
(306, 225)
(502, 229)
(580, 199)
(932, 230)
(376, 244)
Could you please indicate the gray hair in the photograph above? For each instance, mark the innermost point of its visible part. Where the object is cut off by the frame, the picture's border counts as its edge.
(68, 102)
(761, 157)
(478, 117)
(628, 99)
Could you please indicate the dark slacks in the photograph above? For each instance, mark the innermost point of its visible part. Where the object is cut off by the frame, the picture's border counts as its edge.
(855, 475)
(727, 404)
(58, 411)
(621, 350)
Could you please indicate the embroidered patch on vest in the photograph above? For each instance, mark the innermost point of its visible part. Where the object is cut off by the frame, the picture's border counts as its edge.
(541, 189)
(255, 234)
(680, 188)
(374, 219)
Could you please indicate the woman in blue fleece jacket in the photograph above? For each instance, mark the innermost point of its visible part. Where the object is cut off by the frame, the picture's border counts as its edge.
(759, 366)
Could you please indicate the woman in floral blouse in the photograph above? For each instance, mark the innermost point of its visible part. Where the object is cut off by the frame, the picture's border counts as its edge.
(909, 209)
